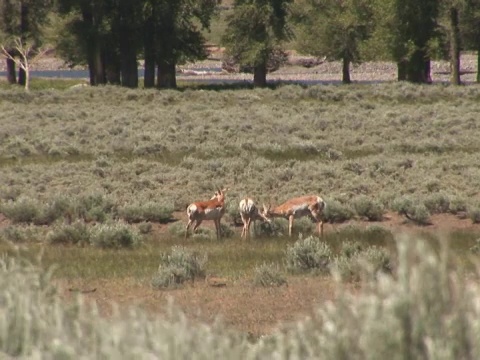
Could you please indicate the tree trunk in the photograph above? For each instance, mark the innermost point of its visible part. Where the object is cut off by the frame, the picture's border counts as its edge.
(427, 72)
(94, 54)
(128, 47)
(11, 75)
(129, 68)
(27, 77)
(402, 70)
(24, 30)
(260, 75)
(478, 64)
(149, 51)
(454, 47)
(416, 67)
(166, 77)
(346, 70)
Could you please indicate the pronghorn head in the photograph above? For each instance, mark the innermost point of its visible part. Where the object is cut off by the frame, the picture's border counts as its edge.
(265, 212)
(220, 194)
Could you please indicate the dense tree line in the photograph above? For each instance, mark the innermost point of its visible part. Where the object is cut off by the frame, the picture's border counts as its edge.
(110, 36)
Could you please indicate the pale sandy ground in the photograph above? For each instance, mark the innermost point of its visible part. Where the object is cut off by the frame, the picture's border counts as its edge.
(326, 72)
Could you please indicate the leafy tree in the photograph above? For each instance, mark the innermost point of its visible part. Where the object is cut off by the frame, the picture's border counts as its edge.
(334, 29)
(403, 32)
(470, 29)
(255, 30)
(22, 20)
(104, 35)
(89, 36)
(27, 55)
(178, 38)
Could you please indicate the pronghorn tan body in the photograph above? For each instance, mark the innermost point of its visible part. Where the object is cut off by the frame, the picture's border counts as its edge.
(212, 209)
(298, 207)
(249, 212)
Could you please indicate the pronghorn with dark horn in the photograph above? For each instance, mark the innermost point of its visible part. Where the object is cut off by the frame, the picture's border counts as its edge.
(212, 209)
(298, 207)
(249, 212)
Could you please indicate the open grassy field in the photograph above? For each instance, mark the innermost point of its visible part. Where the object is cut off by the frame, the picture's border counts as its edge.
(95, 181)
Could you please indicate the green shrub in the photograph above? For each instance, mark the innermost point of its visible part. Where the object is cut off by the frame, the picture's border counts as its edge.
(437, 203)
(458, 205)
(376, 259)
(150, 211)
(145, 228)
(351, 248)
(178, 266)
(368, 208)
(59, 207)
(308, 255)
(276, 228)
(476, 248)
(23, 210)
(378, 233)
(93, 207)
(226, 231)
(414, 211)
(474, 214)
(268, 275)
(114, 235)
(337, 213)
(22, 234)
(177, 229)
(75, 233)
(232, 213)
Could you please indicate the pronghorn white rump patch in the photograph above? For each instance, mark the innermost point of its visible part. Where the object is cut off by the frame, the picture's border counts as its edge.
(192, 208)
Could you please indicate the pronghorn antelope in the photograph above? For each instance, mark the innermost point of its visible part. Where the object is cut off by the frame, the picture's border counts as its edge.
(249, 212)
(296, 208)
(212, 209)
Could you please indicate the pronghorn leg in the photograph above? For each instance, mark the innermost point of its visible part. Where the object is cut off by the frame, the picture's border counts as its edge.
(217, 227)
(290, 225)
(244, 229)
(249, 221)
(187, 227)
(319, 221)
(197, 224)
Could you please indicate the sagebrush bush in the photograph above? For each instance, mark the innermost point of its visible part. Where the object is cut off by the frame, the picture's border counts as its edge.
(368, 208)
(93, 206)
(474, 214)
(336, 212)
(278, 227)
(149, 211)
(476, 247)
(412, 210)
(268, 275)
(114, 235)
(75, 233)
(308, 255)
(356, 262)
(350, 248)
(22, 234)
(22, 210)
(457, 205)
(177, 266)
(415, 315)
(437, 203)
(177, 229)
